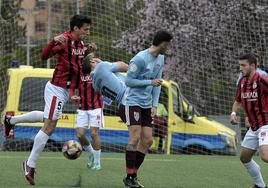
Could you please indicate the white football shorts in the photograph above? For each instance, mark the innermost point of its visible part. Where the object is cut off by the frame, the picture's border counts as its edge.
(254, 139)
(55, 97)
(90, 118)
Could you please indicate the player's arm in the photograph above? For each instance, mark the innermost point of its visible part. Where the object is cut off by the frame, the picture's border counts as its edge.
(134, 70)
(73, 96)
(235, 109)
(121, 66)
(156, 90)
(53, 47)
(236, 105)
(156, 94)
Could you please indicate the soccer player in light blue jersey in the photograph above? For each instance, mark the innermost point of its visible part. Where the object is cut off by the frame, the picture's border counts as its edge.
(143, 89)
(107, 80)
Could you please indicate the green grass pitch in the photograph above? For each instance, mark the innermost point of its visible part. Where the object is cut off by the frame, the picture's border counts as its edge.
(173, 171)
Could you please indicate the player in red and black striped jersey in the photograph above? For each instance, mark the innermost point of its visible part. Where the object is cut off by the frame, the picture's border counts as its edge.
(89, 114)
(252, 95)
(69, 51)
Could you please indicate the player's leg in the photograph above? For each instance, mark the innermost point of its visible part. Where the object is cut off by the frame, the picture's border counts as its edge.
(30, 117)
(263, 143)
(55, 98)
(96, 122)
(96, 147)
(249, 147)
(133, 120)
(82, 122)
(146, 139)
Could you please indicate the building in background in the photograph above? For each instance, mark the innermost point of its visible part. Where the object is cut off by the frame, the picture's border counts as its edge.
(45, 17)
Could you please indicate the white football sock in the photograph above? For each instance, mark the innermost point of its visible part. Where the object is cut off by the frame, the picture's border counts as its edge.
(96, 154)
(40, 141)
(88, 148)
(254, 171)
(31, 117)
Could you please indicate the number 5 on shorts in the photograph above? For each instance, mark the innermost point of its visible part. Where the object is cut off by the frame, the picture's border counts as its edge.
(59, 105)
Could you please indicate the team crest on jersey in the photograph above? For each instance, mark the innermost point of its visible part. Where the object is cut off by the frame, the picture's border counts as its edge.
(254, 85)
(133, 68)
(136, 116)
(98, 117)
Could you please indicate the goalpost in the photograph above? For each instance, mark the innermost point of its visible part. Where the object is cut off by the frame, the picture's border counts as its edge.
(208, 38)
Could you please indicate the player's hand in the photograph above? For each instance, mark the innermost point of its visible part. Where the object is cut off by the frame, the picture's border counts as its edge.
(153, 111)
(233, 119)
(90, 48)
(75, 98)
(60, 39)
(157, 82)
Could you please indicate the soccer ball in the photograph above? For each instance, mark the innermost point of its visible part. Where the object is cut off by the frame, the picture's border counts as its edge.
(72, 149)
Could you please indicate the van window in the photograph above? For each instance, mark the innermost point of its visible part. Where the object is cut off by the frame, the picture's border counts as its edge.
(176, 100)
(32, 96)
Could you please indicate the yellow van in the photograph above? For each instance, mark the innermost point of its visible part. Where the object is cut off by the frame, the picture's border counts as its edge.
(180, 129)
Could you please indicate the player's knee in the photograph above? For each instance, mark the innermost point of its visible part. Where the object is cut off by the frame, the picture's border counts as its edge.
(134, 139)
(149, 142)
(245, 159)
(48, 130)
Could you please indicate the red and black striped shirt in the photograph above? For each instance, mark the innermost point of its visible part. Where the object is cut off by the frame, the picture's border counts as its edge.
(253, 95)
(69, 61)
(90, 99)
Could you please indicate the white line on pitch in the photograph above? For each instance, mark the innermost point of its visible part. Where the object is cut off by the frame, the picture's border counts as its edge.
(104, 158)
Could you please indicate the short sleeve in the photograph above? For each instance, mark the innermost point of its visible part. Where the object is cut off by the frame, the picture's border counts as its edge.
(238, 91)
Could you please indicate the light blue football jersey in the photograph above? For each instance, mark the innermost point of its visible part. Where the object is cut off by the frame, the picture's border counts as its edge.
(107, 81)
(143, 68)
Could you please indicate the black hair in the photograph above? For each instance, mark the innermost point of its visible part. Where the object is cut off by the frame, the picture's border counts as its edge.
(250, 57)
(78, 21)
(161, 36)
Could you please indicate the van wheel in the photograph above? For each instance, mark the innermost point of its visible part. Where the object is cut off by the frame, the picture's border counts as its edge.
(196, 149)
